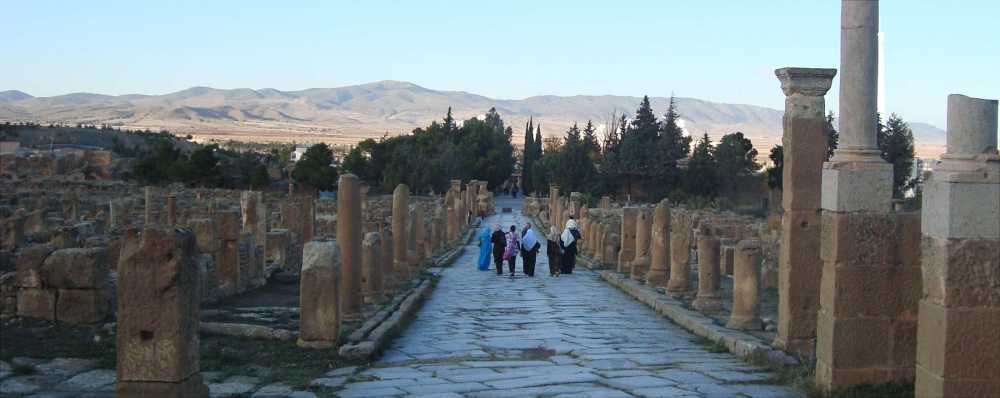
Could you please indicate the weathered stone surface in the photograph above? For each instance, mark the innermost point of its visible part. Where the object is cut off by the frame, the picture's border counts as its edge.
(205, 236)
(643, 226)
(372, 264)
(627, 235)
(36, 303)
(709, 299)
(29, 265)
(746, 287)
(278, 245)
(349, 238)
(227, 224)
(158, 306)
(81, 306)
(400, 234)
(319, 295)
(76, 268)
(680, 252)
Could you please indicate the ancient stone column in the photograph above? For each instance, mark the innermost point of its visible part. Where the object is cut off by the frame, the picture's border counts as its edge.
(159, 297)
(400, 234)
(386, 254)
(254, 214)
(474, 205)
(451, 214)
(958, 353)
(227, 260)
(605, 203)
(746, 286)
(171, 209)
(627, 253)
(319, 295)
(805, 147)
(308, 217)
(437, 235)
(554, 206)
(659, 245)
(117, 213)
(150, 195)
(643, 227)
(349, 241)
(727, 255)
(709, 298)
(373, 290)
(418, 236)
(857, 232)
(681, 223)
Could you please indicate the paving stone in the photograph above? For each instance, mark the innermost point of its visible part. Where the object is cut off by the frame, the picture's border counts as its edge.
(628, 383)
(370, 392)
(18, 386)
(229, 389)
(329, 382)
(765, 391)
(739, 377)
(93, 380)
(302, 394)
(543, 380)
(342, 371)
(599, 393)
(277, 390)
(5, 370)
(665, 392)
(442, 388)
(66, 366)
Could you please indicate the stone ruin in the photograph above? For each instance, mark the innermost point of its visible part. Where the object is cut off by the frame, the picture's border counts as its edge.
(872, 293)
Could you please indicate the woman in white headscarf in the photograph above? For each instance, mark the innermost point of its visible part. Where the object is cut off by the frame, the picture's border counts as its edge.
(553, 251)
(568, 241)
(529, 250)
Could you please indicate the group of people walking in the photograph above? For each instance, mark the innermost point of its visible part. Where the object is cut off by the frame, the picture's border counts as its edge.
(505, 247)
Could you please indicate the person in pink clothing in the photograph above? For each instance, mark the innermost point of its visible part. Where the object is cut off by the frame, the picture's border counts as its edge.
(512, 249)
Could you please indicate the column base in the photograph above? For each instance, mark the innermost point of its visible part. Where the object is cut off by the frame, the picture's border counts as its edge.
(858, 185)
(707, 303)
(744, 322)
(192, 387)
(656, 278)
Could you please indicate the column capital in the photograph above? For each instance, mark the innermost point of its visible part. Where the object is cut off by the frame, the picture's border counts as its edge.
(813, 82)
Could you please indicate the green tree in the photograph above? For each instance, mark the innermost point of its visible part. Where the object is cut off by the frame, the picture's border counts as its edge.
(672, 146)
(315, 169)
(736, 162)
(774, 173)
(528, 157)
(832, 136)
(701, 172)
(589, 140)
(895, 141)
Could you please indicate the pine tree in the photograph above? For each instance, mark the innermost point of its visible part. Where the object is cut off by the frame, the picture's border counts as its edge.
(592, 147)
(449, 123)
(671, 147)
(701, 171)
(735, 159)
(528, 157)
(895, 141)
(832, 136)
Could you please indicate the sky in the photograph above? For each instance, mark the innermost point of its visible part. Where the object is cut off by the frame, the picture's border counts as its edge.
(724, 51)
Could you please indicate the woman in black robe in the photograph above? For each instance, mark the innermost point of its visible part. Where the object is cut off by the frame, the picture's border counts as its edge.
(568, 241)
(499, 241)
(554, 252)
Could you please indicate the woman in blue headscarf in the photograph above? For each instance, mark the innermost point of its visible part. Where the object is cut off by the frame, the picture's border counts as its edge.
(484, 248)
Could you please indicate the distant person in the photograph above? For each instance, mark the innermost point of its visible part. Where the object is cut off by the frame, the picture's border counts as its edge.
(511, 250)
(570, 236)
(484, 248)
(529, 250)
(554, 252)
(499, 241)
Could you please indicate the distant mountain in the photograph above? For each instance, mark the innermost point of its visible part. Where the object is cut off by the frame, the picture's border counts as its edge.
(349, 114)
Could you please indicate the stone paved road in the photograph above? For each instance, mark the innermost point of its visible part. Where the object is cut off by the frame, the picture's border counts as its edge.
(481, 335)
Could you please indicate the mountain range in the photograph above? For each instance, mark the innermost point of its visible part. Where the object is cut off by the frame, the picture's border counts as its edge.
(345, 115)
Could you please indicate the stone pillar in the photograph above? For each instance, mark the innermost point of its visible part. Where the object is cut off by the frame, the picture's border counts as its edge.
(278, 242)
(605, 203)
(227, 259)
(319, 295)
(958, 353)
(681, 223)
(308, 217)
(643, 226)
(386, 254)
(659, 245)
(437, 230)
(452, 219)
(373, 289)
(554, 206)
(159, 293)
(627, 253)
(150, 195)
(254, 215)
(117, 213)
(171, 209)
(709, 298)
(857, 229)
(805, 145)
(746, 286)
(417, 236)
(400, 222)
(727, 255)
(349, 238)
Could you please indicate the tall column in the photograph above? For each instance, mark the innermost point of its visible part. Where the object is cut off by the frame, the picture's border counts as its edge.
(681, 223)
(171, 209)
(372, 269)
(349, 238)
(709, 298)
(150, 195)
(554, 206)
(958, 353)
(386, 261)
(659, 245)
(627, 253)
(400, 222)
(746, 286)
(308, 217)
(159, 293)
(643, 227)
(857, 228)
(799, 266)
(452, 223)
(319, 295)
(418, 236)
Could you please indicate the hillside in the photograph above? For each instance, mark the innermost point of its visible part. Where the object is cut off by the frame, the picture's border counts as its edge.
(351, 113)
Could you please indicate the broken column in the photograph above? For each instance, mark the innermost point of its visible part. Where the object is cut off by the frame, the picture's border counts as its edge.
(400, 222)
(158, 307)
(857, 241)
(627, 251)
(319, 295)
(958, 353)
(150, 195)
(709, 298)
(171, 209)
(372, 269)
(659, 245)
(349, 239)
(227, 259)
(643, 226)
(386, 253)
(681, 223)
(746, 286)
(805, 148)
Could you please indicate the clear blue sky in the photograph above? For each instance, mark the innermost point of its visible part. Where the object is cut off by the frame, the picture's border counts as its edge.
(717, 50)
